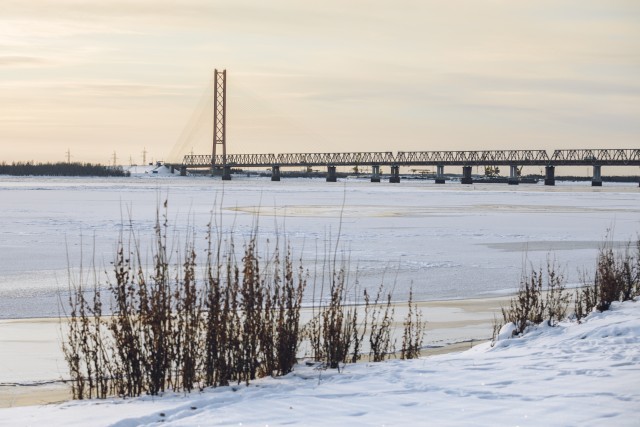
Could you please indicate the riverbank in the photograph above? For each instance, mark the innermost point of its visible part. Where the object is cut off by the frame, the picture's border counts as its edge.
(34, 367)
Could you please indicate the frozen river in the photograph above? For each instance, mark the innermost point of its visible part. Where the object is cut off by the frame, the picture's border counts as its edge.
(449, 241)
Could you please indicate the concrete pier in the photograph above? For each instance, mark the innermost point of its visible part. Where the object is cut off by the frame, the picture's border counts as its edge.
(226, 173)
(549, 175)
(513, 175)
(596, 181)
(183, 171)
(331, 174)
(395, 174)
(375, 173)
(275, 173)
(466, 175)
(439, 174)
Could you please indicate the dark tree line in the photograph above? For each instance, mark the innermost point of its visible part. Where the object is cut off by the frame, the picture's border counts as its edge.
(60, 169)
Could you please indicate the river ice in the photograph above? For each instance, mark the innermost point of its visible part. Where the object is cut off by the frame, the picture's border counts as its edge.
(448, 241)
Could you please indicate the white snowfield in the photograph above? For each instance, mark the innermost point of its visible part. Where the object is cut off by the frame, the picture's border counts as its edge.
(447, 241)
(573, 374)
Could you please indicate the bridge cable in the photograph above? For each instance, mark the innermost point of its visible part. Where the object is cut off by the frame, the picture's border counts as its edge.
(199, 123)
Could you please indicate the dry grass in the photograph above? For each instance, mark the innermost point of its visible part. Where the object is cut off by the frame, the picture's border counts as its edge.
(616, 278)
(542, 295)
(170, 327)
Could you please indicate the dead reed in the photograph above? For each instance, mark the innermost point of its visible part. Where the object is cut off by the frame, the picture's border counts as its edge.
(173, 326)
(413, 330)
(543, 296)
(616, 278)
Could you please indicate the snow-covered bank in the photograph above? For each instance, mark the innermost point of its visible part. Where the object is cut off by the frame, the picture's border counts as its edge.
(31, 350)
(573, 374)
(150, 170)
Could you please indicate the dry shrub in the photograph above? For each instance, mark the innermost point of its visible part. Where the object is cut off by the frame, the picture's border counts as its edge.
(380, 319)
(413, 330)
(337, 335)
(617, 278)
(172, 328)
(169, 329)
(336, 325)
(542, 296)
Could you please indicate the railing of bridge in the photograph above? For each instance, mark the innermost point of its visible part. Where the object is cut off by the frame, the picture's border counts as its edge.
(336, 159)
(203, 160)
(472, 158)
(293, 159)
(196, 160)
(249, 159)
(619, 157)
(572, 157)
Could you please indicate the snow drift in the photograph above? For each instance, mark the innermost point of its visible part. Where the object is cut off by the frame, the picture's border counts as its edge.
(583, 374)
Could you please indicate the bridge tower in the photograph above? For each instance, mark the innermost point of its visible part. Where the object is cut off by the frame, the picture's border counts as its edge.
(220, 123)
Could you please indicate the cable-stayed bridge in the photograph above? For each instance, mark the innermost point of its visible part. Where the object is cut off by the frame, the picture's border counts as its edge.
(514, 159)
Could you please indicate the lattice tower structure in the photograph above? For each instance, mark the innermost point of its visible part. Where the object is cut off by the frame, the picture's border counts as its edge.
(219, 118)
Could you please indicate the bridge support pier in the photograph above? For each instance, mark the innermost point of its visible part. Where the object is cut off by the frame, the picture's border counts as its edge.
(596, 181)
(549, 175)
(275, 173)
(183, 171)
(375, 173)
(331, 174)
(226, 173)
(513, 175)
(439, 174)
(395, 174)
(466, 175)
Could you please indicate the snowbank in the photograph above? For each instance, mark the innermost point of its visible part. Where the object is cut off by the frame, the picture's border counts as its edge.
(153, 170)
(573, 374)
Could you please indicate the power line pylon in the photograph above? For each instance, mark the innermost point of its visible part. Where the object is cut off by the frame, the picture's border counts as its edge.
(220, 123)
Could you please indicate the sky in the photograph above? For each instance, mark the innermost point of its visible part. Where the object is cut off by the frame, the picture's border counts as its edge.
(94, 78)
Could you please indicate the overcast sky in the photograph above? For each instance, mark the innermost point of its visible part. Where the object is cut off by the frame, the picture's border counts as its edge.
(334, 75)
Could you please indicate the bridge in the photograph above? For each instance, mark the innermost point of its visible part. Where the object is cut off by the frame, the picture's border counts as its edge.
(515, 159)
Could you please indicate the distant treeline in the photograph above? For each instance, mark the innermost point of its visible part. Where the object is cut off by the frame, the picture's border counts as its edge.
(60, 169)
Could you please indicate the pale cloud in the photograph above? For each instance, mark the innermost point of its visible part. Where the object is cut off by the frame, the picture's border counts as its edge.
(104, 88)
(123, 89)
(23, 61)
(35, 30)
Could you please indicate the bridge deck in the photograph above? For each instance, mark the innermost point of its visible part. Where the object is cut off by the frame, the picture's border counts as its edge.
(577, 157)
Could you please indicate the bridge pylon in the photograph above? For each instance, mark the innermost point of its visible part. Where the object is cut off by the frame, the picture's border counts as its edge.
(220, 125)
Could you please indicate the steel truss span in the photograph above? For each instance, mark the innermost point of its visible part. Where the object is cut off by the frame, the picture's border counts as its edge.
(577, 157)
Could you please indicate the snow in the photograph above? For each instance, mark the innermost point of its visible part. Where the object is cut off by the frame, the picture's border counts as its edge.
(416, 232)
(583, 374)
(449, 242)
(154, 169)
